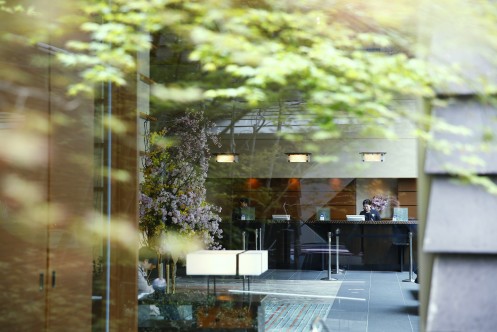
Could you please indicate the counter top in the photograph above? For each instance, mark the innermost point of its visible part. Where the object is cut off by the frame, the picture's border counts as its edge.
(369, 222)
(324, 222)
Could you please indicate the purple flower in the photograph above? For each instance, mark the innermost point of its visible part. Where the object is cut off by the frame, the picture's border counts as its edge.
(381, 202)
(173, 194)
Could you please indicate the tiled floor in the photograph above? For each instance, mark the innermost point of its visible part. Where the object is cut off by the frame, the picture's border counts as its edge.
(367, 301)
(361, 301)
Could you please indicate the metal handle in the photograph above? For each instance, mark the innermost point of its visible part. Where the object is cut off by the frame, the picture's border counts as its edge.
(329, 255)
(336, 249)
(42, 281)
(260, 238)
(411, 279)
(329, 259)
(53, 279)
(410, 255)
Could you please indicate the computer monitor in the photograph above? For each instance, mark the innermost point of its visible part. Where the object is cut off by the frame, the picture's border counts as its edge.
(247, 213)
(400, 214)
(356, 217)
(323, 214)
(281, 217)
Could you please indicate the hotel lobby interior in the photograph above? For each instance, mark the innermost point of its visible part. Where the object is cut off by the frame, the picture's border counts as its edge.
(254, 212)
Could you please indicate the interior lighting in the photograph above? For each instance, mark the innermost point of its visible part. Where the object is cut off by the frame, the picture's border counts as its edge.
(299, 157)
(226, 157)
(373, 156)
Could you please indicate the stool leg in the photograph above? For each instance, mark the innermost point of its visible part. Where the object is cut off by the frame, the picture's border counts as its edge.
(401, 249)
(411, 279)
(329, 260)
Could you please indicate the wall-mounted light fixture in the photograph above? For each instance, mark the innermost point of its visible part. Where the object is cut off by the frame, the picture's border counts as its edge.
(373, 156)
(299, 157)
(226, 157)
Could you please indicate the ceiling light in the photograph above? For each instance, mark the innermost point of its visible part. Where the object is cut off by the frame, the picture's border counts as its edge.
(299, 157)
(373, 156)
(226, 157)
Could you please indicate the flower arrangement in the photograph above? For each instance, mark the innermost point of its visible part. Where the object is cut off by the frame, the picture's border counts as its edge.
(173, 194)
(173, 205)
(380, 202)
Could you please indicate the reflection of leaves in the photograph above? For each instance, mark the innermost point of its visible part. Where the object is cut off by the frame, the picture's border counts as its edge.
(177, 245)
(17, 9)
(465, 176)
(25, 149)
(488, 135)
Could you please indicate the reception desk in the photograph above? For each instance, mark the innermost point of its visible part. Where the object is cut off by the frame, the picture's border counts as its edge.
(371, 245)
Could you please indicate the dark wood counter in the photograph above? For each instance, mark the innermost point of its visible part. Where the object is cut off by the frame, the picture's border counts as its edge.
(370, 222)
(377, 245)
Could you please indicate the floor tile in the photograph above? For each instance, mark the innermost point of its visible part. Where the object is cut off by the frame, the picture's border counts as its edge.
(358, 301)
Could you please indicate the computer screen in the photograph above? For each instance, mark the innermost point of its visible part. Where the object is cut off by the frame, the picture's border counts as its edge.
(323, 214)
(247, 213)
(400, 214)
(281, 217)
(355, 217)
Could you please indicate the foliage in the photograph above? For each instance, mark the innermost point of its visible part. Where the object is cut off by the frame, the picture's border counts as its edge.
(18, 8)
(172, 195)
(118, 30)
(339, 58)
(327, 54)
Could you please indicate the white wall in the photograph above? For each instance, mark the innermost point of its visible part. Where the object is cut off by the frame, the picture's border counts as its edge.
(269, 160)
(262, 152)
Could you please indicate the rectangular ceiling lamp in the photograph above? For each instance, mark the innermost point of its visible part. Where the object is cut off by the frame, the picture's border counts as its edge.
(373, 156)
(299, 157)
(226, 157)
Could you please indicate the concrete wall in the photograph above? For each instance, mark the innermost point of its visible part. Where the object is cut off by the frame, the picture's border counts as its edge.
(330, 159)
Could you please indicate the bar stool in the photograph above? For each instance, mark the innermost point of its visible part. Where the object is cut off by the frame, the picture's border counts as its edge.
(400, 249)
(401, 241)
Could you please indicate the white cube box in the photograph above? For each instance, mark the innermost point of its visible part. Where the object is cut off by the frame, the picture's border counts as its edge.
(252, 262)
(212, 262)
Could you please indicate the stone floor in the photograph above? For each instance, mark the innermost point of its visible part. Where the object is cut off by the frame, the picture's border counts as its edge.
(359, 301)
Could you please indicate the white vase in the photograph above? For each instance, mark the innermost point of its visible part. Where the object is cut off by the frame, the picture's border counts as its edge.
(159, 285)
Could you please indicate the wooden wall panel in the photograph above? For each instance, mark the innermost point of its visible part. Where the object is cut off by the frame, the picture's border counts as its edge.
(344, 198)
(408, 198)
(301, 204)
(407, 184)
(70, 192)
(341, 212)
(407, 195)
(124, 207)
(412, 211)
(49, 283)
(23, 235)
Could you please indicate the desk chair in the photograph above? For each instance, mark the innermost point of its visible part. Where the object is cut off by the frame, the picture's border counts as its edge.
(400, 239)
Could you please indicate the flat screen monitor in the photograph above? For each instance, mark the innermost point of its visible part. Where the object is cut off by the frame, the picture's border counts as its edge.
(356, 217)
(400, 214)
(247, 213)
(281, 217)
(323, 214)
